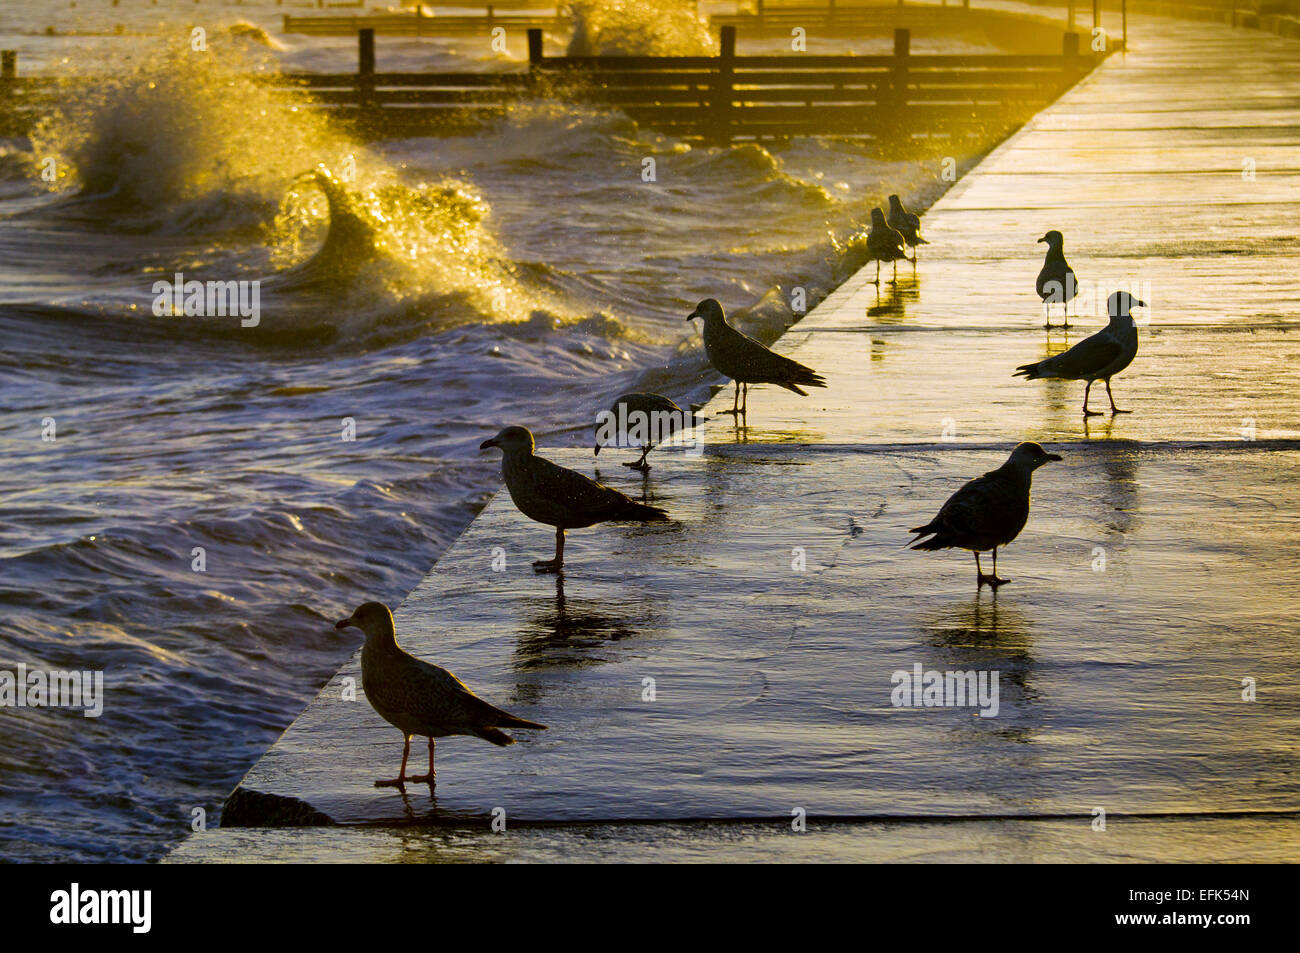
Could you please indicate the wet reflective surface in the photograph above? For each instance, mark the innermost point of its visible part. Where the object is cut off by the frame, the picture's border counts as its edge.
(1145, 649)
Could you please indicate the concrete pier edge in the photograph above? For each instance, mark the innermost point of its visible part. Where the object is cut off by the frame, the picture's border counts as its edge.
(1172, 438)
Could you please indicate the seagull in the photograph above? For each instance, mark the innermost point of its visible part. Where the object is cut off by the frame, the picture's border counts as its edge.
(1056, 282)
(884, 243)
(418, 698)
(560, 497)
(907, 224)
(1099, 357)
(649, 418)
(988, 512)
(746, 361)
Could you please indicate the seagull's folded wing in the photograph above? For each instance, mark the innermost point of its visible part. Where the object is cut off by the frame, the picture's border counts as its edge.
(984, 507)
(1087, 357)
(754, 363)
(573, 495)
(416, 687)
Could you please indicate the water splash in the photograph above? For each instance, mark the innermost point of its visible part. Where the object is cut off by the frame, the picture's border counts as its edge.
(637, 28)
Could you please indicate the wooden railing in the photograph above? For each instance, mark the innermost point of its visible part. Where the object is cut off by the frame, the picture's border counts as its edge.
(732, 96)
(416, 24)
(717, 98)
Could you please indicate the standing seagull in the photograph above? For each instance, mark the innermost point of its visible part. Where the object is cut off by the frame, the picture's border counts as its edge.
(1056, 281)
(907, 224)
(988, 512)
(558, 496)
(418, 698)
(650, 418)
(746, 361)
(1099, 357)
(884, 243)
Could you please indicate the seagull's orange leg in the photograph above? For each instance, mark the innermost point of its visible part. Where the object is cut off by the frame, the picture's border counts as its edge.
(430, 778)
(877, 281)
(1113, 408)
(995, 581)
(399, 782)
(556, 564)
(1086, 411)
(641, 464)
(735, 404)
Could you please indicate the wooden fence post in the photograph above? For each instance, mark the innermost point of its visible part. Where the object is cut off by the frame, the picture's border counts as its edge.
(1123, 12)
(1070, 57)
(534, 47)
(1096, 13)
(720, 104)
(366, 68)
(902, 50)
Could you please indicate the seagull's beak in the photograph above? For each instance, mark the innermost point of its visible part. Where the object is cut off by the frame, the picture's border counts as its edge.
(1055, 456)
(344, 623)
(1140, 304)
(1043, 239)
(693, 315)
(489, 443)
(596, 452)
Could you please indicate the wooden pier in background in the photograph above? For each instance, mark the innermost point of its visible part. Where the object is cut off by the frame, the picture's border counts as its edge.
(723, 97)
(715, 98)
(417, 24)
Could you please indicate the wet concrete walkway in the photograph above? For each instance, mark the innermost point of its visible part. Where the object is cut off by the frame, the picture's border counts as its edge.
(1156, 574)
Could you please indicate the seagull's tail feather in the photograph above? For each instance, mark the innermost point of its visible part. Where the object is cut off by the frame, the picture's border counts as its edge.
(1028, 371)
(938, 541)
(494, 736)
(508, 720)
(633, 511)
(801, 375)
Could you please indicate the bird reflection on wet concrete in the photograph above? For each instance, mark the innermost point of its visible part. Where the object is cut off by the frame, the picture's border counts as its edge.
(560, 630)
(978, 634)
(891, 305)
(1119, 460)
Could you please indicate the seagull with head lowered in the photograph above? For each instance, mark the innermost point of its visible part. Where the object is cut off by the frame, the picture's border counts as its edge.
(988, 512)
(419, 698)
(560, 497)
(1056, 283)
(907, 224)
(1099, 357)
(746, 361)
(884, 243)
(649, 419)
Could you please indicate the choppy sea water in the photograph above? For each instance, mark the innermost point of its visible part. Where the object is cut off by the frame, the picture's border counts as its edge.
(442, 288)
